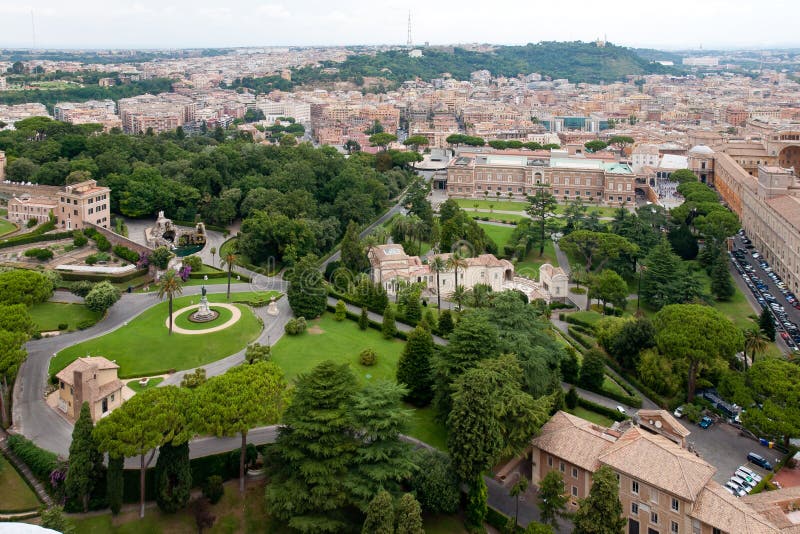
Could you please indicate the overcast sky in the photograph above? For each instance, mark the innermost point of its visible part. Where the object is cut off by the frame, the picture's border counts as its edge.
(203, 23)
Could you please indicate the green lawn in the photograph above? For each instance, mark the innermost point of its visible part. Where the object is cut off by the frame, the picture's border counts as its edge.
(529, 267)
(497, 216)
(594, 417)
(497, 204)
(134, 384)
(590, 317)
(145, 348)
(501, 235)
(6, 227)
(183, 319)
(611, 386)
(443, 524)
(16, 495)
(48, 315)
(327, 339)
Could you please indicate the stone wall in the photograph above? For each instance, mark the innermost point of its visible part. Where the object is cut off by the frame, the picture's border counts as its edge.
(116, 239)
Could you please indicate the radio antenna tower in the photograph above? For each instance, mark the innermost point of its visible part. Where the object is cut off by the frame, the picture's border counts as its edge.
(408, 41)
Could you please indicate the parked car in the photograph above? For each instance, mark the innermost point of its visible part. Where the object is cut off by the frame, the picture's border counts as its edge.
(751, 481)
(678, 412)
(734, 489)
(759, 460)
(621, 410)
(749, 472)
(706, 422)
(742, 483)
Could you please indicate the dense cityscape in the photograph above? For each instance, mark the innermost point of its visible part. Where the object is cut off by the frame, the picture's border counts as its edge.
(400, 289)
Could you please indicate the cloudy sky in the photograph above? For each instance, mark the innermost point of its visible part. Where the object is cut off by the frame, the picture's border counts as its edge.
(203, 23)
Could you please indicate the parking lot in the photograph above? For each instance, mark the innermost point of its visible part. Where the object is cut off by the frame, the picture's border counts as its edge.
(763, 286)
(722, 446)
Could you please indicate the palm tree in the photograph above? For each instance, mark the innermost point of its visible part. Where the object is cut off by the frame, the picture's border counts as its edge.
(212, 250)
(438, 265)
(229, 260)
(456, 261)
(519, 488)
(459, 295)
(169, 286)
(755, 342)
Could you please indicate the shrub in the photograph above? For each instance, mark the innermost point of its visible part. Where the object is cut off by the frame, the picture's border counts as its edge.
(435, 484)
(195, 262)
(103, 245)
(102, 296)
(363, 319)
(41, 254)
(63, 326)
(571, 399)
(31, 223)
(295, 326)
(126, 254)
(213, 489)
(86, 323)
(341, 311)
(368, 357)
(78, 239)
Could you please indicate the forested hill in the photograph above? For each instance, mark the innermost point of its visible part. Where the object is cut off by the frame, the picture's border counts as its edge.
(577, 61)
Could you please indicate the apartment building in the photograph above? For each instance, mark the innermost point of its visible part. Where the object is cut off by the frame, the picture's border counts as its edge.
(90, 112)
(163, 112)
(81, 204)
(514, 175)
(23, 208)
(663, 488)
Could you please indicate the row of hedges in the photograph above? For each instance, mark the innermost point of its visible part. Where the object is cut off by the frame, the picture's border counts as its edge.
(632, 380)
(372, 324)
(584, 341)
(39, 461)
(27, 239)
(569, 318)
(630, 400)
(131, 256)
(349, 300)
(602, 410)
(71, 276)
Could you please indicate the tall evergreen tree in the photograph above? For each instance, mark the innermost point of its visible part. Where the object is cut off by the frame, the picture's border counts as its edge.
(409, 516)
(115, 483)
(380, 515)
(721, 282)
(381, 460)
(353, 255)
(307, 294)
(477, 503)
(766, 325)
(414, 367)
(665, 279)
(314, 452)
(552, 498)
(388, 327)
(446, 324)
(601, 511)
(363, 319)
(85, 461)
(173, 477)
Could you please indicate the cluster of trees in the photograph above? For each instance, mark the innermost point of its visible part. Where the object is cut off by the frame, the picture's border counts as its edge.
(79, 93)
(165, 419)
(216, 179)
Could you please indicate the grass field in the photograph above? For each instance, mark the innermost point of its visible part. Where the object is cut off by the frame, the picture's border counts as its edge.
(16, 495)
(497, 216)
(6, 227)
(144, 346)
(487, 204)
(589, 415)
(48, 315)
(501, 235)
(590, 317)
(134, 384)
(530, 265)
(342, 342)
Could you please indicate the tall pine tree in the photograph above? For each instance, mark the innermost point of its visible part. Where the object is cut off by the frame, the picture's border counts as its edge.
(173, 477)
(314, 452)
(721, 282)
(414, 367)
(766, 325)
(85, 462)
(307, 294)
(115, 483)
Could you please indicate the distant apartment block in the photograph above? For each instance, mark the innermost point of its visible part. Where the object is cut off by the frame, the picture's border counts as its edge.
(90, 112)
(18, 112)
(161, 113)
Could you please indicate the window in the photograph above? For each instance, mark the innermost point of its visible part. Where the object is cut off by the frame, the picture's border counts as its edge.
(574, 472)
(561, 466)
(634, 487)
(62, 385)
(654, 518)
(112, 397)
(104, 405)
(574, 491)
(653, 495)
(550, 461)
(673, 527)
(676, 506)
(634, 508)
(715, 530)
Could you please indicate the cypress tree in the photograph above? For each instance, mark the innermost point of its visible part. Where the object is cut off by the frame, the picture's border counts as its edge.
(662, 276)
(380, 515)
(353, 256)
(409, 516)
(414, 367)
(766, 325)
(721, 281)
(446, 324)
(341, 311)
(173, 477)
(388, 327)
(363, 319)
(85, 462)
(115, 483)
(413, 310)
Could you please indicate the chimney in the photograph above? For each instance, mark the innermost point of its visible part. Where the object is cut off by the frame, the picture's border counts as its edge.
(77, 393)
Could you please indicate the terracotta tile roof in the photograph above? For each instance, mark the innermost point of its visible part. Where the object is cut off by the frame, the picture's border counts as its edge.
(66, 375)
(659, 462)
(675, 426)
(576, 440)
(772, 505)
(718, 508)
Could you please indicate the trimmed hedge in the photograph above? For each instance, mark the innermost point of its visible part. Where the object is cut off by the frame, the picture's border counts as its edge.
(602, 410)
(129, 255)
(34, 238)
(39, 461)
(580, 338)
(652, 395)
(569, 318)
(70, 276)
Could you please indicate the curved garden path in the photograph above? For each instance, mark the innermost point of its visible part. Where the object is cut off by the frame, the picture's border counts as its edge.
(236, 314)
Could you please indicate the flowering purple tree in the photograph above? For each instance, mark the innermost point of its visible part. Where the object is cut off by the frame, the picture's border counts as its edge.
(185, 271)
(144, 261)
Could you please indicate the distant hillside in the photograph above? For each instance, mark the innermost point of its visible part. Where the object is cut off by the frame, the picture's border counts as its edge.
(578, 61)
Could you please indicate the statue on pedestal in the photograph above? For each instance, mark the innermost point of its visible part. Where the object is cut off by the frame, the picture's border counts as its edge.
(272, 309)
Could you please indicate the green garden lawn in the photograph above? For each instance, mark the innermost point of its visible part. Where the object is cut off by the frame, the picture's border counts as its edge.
(6, 227)
(183, 319)
(529, 267)
(593, 417)
(510, 217)
(501, 235)
(135, 386)
(145, 348)
(16, 495)
(48, 315)
(468, 204)
(342, 342)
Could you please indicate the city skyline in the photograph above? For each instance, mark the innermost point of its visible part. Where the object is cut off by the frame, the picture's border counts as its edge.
(249, 23)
